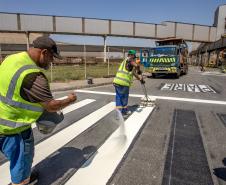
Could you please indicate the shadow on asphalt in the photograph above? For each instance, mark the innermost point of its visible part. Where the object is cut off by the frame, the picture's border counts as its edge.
(221, 172)
(164, 76)
(61, 165)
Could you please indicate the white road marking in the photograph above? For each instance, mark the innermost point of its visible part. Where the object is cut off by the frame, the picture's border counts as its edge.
(77, 105)
(187, 88)
(73, 107)
(172, 151)
(99, 168)
(55, 142)
(161, 97)
(213, 73)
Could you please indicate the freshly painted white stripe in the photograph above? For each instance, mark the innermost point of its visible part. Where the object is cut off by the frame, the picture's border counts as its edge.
(73, 107)
(162, 97)
(77, 105)
(61, 138)
(99, 168)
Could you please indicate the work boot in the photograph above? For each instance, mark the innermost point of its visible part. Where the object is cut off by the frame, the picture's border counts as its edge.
(33, 178)
(128, 112)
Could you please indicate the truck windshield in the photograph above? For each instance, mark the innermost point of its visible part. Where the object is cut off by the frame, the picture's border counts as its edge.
(163, 51)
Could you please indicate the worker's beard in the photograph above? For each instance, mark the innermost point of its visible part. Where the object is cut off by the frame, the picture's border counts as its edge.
(47, 66)
(43, 63)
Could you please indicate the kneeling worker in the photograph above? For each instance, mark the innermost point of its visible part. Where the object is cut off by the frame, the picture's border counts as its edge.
(123, 80)
(24, 95)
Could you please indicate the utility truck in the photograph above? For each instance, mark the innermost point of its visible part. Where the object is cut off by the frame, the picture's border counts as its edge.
(170, 56)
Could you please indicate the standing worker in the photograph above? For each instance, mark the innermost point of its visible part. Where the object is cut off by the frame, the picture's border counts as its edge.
(24, 95)
(123, 80)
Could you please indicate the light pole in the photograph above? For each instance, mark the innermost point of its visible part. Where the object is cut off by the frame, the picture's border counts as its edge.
(105, 48)
(28, 40)
(108, 63)
(84, 56)
(51, 72)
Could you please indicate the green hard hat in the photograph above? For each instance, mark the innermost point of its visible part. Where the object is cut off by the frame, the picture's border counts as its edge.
(131, 52)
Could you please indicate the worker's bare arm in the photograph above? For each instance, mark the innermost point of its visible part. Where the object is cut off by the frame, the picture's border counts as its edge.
(136, 71)
(56, 105)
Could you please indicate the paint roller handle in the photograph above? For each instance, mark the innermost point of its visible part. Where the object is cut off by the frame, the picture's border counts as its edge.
(142, 81)
(141, 78)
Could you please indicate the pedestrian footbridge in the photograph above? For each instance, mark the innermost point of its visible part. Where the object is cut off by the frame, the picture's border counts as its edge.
(27, 23)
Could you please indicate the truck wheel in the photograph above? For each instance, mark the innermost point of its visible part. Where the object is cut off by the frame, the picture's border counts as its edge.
(153, 75)
(182, 72)
(177, 75)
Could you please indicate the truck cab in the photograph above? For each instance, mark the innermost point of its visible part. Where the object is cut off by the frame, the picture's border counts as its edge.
(168, 57)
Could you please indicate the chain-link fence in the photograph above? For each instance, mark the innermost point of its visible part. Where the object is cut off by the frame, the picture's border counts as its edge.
(90, 63)
(79, 61)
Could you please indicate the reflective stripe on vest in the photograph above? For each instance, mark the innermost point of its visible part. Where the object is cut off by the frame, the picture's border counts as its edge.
(12, 123)
(123, 72)
(20, 104)
(123, 79)
(16, 76)
(123, 76)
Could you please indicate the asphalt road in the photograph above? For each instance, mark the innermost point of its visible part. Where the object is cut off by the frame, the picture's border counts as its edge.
(179, 141)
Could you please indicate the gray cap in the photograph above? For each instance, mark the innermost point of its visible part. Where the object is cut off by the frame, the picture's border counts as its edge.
(45, 42)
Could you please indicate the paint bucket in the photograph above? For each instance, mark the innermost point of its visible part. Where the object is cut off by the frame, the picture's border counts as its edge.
(90, 81)
(48, 121)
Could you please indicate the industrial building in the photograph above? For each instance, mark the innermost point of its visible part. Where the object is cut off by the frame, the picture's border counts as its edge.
(213, 54)
(18, 31)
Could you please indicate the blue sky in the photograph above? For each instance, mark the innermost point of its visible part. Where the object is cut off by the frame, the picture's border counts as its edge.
(151, 11)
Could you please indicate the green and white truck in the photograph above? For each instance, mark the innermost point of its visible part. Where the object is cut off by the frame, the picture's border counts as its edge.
(170, 56)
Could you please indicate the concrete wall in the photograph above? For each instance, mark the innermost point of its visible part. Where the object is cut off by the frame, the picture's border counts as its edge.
(221, 22)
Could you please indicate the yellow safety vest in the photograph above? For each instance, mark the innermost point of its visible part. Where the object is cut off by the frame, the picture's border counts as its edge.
(123, 76)
(16, 114)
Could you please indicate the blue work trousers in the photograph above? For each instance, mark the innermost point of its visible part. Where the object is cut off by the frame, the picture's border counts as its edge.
(122, 96)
